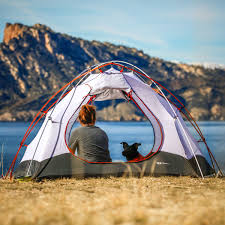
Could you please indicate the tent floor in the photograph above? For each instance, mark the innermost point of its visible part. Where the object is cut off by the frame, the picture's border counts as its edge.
(67, 165)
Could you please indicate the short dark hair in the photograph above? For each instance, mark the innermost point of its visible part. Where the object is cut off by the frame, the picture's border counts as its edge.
(87, 114)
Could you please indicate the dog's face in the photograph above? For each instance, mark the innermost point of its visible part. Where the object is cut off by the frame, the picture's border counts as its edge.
(130, 151)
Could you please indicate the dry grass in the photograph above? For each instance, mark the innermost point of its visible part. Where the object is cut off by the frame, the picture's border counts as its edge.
(148, 200)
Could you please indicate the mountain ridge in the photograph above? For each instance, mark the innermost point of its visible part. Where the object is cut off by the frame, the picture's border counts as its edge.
(36, 61)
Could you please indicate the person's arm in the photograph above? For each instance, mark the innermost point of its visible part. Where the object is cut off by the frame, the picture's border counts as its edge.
(73, 142)
(107, 139)
(107, 143)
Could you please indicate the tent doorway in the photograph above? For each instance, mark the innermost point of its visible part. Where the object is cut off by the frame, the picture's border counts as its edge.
(125, 123)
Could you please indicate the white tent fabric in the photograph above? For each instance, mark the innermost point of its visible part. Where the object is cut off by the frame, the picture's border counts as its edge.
(171, 133)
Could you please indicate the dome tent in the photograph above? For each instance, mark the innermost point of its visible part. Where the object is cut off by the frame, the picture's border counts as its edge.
(175, 150)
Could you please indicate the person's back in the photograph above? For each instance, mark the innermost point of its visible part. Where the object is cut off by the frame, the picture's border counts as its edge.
(90, 141)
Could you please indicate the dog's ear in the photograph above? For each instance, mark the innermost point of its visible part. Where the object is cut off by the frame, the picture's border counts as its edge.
(136, 145)
(125, 145)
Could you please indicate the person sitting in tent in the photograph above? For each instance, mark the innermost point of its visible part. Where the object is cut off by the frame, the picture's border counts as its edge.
(90, 141)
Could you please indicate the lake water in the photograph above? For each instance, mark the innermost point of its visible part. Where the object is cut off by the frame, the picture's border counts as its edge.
(11, 134)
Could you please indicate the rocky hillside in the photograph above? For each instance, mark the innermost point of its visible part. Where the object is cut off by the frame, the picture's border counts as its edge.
(36, 61)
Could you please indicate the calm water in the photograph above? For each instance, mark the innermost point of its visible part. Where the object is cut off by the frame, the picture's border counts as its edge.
(11, 135)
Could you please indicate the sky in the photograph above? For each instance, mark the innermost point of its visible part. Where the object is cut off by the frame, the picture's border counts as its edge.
(188, 31)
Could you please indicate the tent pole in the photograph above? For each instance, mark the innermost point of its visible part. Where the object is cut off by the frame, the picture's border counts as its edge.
(49, 118)
(191, 148)
(114, 63)
(180, 124)
(176, 117)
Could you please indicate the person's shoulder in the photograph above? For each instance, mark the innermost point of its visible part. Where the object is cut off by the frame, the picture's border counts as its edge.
(76, 130)
(101, 130)
(98, 128)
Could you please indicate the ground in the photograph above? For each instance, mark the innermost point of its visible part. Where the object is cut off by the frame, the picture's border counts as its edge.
(106, 201)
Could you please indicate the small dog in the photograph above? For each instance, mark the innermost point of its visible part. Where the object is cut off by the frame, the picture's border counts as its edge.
(131, 152)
